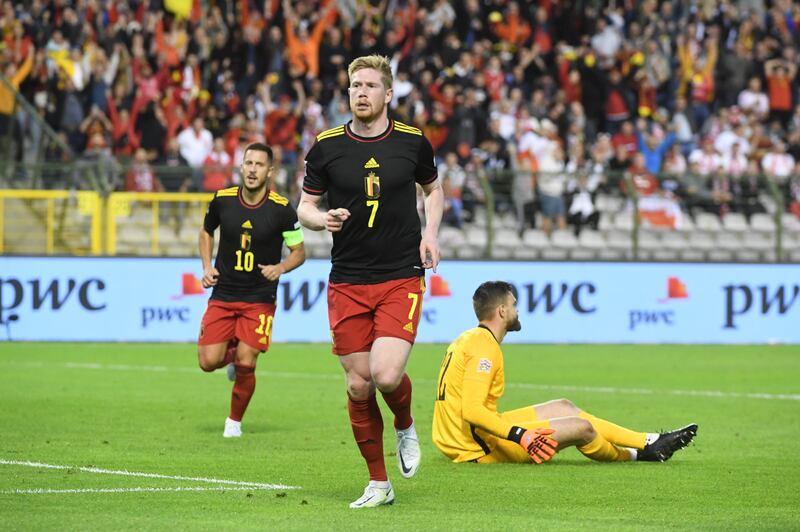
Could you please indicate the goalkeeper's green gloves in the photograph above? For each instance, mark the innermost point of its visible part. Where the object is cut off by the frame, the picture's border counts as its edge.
(537, 442)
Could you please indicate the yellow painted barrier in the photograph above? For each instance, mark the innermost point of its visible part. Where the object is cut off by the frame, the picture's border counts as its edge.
(154, 223)
(50, 222)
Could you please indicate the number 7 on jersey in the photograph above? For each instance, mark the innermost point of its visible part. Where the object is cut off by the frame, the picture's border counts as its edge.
(374, 205)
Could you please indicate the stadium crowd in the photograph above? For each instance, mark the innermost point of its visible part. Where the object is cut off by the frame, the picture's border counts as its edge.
(697, 101)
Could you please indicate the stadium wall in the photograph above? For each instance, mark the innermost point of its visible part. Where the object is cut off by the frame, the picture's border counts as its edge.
(160, 299)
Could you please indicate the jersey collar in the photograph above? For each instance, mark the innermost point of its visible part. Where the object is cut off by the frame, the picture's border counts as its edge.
(482, 326)
(359, 138)
(249, 205)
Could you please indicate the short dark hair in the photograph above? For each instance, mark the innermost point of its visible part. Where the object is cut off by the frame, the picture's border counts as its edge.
(259, 146)
(489, 296)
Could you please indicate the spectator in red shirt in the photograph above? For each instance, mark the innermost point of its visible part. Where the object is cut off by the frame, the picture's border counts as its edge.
(779, 89)
(643, 181)
(217, 167)
(626, 138)
(141, 177)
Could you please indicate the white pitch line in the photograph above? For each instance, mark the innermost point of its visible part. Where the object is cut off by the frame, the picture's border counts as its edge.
(45, 491)
(554, 387)
(254, 485)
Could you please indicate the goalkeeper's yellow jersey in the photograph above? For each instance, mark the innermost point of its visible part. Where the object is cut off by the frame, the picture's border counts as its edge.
(471, 380)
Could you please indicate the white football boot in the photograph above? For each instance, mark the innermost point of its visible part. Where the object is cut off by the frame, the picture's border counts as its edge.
(233, 429)
(376, 493)
(408, 451)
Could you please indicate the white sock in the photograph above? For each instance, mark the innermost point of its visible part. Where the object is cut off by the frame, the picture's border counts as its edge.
(651, 437)
(383, 484)
(634, 454)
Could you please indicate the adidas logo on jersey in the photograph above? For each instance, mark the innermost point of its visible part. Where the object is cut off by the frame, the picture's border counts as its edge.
(409, 328)
(247, 225)
(372, 163)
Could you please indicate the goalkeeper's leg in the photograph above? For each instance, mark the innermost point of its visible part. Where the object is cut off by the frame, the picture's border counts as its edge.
(610, 431)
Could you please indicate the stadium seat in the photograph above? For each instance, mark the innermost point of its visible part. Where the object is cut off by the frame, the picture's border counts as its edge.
(593, 240)
(649, 240)
(525, 253)
(692, 255)
(748, 255)
(554, 253)
(606, 222)
(700, 242)
(623, 221)
(763, 223)
(501, 253)
(535, 238)
(476, 237)
(480, 218)
(564, 239)
(687, 225)
(613, 254)
(619, 240)
(790, 223)
(505, 221)
(720, 255)
(705, 221)
(734, 221)
(582, 254)
(674, 240)
(759, 242)
(451, 236)
(506, 238)
(730, 241)
(468, 252)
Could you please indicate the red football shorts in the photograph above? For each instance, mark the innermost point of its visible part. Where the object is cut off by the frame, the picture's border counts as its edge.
(359, 313)
(251, 323)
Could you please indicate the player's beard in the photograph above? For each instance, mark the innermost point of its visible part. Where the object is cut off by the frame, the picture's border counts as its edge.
(255, 189)
(515, 325)
(370, 115)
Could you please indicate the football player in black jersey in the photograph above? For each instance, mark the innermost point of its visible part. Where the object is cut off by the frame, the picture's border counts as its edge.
(254, 224)
(370, 168)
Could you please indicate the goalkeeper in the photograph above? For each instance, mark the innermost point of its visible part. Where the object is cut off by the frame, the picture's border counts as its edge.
(468, 428)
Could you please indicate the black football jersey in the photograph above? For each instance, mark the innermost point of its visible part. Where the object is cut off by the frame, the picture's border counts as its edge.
(375, 179)
(249, 235)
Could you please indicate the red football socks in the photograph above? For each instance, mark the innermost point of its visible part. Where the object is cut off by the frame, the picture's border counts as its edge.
(367, 423)
(400, 402)
(243, 389)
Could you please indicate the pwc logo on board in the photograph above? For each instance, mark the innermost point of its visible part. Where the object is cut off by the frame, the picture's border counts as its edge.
(438, 286)
(173, 312)
(675, 290)
(190, 286)
(639, 318)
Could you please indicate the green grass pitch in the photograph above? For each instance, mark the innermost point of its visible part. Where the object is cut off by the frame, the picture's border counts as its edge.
(147, 408)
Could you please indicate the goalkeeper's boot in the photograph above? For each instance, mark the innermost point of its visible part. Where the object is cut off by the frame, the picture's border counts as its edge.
(667, 443)
(230, 359)
(408, 451)
(377, 493)
(233, 429)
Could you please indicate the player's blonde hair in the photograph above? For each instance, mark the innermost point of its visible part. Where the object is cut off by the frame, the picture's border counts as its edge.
(376, 62)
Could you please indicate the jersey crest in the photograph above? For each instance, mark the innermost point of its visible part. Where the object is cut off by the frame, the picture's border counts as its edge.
(372, 186)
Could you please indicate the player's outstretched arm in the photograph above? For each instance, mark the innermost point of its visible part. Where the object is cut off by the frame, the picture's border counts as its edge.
(434, 207)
